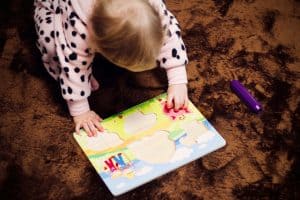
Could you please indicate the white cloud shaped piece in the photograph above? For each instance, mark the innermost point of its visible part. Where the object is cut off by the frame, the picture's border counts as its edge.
(139, 122)
(194, 130)
(103, 140)
(154, 149)
(120, 185)
(205, 137)
(202, 146)
(144, 170)
(181, 154)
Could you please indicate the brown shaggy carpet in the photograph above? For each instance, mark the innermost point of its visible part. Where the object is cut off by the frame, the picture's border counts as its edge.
(254, 41)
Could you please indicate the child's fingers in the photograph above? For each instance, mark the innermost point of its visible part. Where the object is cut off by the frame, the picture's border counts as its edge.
(77, 128)
(177, 103)
(180, 102)
(99, 119)
(92, 128)
(87, 129)
(170, 101)
(98, 125)
(186, 102)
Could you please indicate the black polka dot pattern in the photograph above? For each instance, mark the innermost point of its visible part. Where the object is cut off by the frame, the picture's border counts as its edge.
(87, 51)
(76, 70)
(57, 11)
(182, 47)
(73, 56)
(73, 45)
(73, 14)
(47, 39)
(70, 41)
(52, 34)
(83, 36)
(65, 51)
(72, 22)
(174, 50)
(66, 69)
(82, 78)
(70, 90)
(61, 81)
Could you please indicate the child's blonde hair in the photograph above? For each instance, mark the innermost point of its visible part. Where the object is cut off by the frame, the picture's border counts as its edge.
(127, 32)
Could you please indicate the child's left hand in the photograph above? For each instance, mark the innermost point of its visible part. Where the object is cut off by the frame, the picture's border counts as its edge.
(177, 96)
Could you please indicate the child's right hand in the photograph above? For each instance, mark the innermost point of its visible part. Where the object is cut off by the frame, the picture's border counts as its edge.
(89, 121)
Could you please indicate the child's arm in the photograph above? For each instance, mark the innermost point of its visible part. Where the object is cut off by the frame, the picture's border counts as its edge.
(75, 82)
(75, 58)
(62, 40)
(76, 87)
(173, 57)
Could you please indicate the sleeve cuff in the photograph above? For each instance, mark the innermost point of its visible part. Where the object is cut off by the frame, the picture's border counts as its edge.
(176, 75)
(78, 107)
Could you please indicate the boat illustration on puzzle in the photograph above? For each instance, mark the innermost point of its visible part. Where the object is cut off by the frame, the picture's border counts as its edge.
(147, 141)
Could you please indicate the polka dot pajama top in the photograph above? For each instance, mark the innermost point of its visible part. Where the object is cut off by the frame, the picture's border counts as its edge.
(62, 29)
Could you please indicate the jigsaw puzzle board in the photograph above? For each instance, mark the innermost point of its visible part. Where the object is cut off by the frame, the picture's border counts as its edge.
(147, 141)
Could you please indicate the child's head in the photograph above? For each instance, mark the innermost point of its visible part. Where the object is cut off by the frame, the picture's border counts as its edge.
(128, 33)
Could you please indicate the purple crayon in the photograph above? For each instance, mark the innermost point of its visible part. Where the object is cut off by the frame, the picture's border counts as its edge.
(245, 96)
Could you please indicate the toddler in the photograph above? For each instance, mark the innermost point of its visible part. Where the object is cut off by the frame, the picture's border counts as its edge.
(137, 35)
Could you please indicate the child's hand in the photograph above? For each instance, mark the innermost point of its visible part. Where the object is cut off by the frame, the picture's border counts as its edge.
(177, 96)
(90, 122)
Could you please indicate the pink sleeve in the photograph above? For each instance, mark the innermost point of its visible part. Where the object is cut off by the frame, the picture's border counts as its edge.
(173, 56)
(78, 107)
